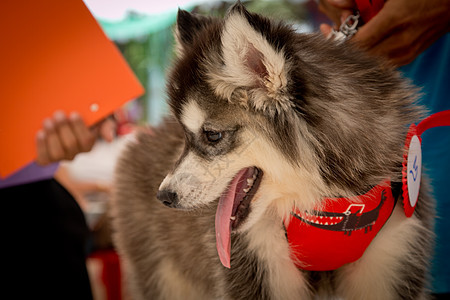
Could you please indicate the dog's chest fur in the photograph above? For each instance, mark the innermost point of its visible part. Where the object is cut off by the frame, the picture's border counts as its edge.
(262, 257)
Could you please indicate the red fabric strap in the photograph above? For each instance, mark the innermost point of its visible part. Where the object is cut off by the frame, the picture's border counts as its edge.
(369, 8)
(441, 118)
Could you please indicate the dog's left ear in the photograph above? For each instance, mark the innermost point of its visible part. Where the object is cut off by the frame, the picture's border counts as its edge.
(251, 63)
(187, 28)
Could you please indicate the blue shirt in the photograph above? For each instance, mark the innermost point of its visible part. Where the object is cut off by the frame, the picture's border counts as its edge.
(431, 72)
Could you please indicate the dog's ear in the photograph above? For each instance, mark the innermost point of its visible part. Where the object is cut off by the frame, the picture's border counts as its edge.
(187, 28)
(252, 63)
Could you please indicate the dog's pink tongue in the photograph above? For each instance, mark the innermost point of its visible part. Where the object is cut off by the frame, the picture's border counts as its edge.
(223, 222)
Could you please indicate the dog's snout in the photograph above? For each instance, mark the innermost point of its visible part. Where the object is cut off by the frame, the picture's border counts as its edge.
(167, 197)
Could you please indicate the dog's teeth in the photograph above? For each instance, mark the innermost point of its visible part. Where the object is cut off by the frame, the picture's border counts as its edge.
(232, 218)
(246, 190)
(249, 181)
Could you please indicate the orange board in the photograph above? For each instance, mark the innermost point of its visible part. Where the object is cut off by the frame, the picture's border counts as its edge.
(54, 56)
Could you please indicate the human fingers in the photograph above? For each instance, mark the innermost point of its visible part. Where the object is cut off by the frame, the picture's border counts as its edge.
(41, 148)
(403, 46)
(325, 29)
(107, 129)
(54, 148)
(339, 13)
(66, 135)
(333, 13)
(403, 29)
(84, 136)
(377, 29)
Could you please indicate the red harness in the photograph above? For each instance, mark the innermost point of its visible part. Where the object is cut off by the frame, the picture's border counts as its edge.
(340, 230)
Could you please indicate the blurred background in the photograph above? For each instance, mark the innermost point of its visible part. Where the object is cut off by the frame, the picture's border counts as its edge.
(143, 32)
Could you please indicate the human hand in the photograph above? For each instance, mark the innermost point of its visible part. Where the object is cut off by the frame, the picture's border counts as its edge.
(337, 11)
(62, 137)
(404, 28)
(400, 31)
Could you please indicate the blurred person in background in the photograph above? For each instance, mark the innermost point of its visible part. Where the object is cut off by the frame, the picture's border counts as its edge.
(44, 229)
(414, 36)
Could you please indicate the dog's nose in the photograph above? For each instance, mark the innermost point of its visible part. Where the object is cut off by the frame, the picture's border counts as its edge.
(168, 198)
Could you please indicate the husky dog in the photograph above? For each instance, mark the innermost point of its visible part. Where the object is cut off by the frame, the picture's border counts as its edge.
(266, 121)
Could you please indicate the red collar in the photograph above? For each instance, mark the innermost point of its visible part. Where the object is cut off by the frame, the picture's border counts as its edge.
(340, 232)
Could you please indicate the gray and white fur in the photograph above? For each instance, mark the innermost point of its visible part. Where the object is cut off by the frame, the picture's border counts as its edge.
(319, 119)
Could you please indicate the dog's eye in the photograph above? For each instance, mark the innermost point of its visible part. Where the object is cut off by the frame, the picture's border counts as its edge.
(213, 136)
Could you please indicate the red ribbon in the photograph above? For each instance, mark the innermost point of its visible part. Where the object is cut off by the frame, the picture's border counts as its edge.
(435, 120)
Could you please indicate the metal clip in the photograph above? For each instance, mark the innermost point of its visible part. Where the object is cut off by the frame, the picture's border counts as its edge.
(347, 29)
